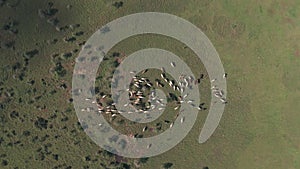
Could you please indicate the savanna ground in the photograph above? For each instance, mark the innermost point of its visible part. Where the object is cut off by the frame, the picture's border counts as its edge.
(258, 43)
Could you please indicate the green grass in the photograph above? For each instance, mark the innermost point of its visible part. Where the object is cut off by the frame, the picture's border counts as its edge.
(257, 42)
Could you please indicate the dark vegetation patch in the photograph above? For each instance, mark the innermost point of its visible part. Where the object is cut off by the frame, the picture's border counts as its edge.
(41, 123)
(118, 4)
(167, 165)
(59, 70)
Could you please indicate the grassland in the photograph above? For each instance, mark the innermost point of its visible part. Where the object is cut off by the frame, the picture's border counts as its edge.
(258, 43)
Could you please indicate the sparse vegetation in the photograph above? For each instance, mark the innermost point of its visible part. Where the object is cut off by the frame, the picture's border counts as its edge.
(39, 41)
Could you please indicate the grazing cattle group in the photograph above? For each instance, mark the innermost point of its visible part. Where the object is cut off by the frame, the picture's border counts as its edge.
(143, 103)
